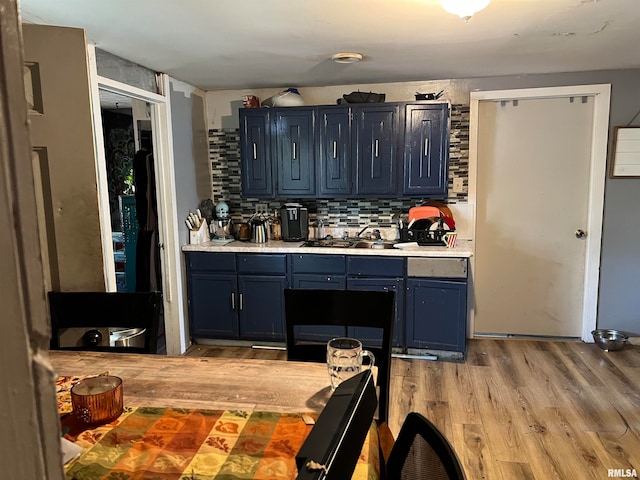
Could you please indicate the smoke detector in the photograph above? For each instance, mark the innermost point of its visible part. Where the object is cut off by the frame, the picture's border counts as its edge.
(346, 57)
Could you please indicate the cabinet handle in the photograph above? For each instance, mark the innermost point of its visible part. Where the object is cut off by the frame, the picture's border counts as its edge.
(426, 146)
(376, 152)
(294, 150)
(233, 301)
(335, 149)
(240, 301)
(255, 151)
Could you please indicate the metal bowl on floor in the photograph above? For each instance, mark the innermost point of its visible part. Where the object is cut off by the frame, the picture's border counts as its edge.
(609, 340)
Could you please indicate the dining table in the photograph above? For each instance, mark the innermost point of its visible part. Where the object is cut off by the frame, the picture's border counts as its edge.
(200, 417)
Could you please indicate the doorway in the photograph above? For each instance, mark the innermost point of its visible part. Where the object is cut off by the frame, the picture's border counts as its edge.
(128, 149)
(535, 190)
(167, 241)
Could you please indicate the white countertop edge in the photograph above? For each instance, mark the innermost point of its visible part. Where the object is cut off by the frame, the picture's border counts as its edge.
(463, 248)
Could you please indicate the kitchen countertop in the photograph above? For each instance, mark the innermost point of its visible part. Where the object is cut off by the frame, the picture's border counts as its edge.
(463, 248)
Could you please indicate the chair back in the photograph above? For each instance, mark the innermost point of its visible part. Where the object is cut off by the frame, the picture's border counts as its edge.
(422, 451)
(344, 308)
(102, 311)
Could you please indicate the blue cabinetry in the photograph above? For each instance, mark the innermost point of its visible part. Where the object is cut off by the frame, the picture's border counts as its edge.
(365, 150)
(436, 304)
(236, 296)
(211, 283)
(261, 315)
(240, 296)
(376, 150)
(426, 147)
(293, 148)
(334, 151)
(261, 283)
(255, 152)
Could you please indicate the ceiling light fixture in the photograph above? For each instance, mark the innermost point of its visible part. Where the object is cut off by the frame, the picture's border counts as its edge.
(465, 9)
(346, 57)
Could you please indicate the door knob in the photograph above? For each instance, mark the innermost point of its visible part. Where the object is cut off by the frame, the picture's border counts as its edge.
(580, 233)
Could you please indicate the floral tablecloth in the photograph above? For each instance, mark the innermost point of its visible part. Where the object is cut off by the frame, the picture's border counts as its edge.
(185, 444)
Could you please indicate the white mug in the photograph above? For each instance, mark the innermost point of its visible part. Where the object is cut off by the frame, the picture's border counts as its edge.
(344, 359)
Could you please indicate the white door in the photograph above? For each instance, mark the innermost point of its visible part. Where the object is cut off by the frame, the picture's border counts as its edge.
(533, 182)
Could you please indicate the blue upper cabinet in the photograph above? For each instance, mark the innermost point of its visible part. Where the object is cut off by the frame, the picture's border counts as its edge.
(293, 140)
(255, 153)
(426, 150)
(376, 149)
(334, 151)
(360, 150)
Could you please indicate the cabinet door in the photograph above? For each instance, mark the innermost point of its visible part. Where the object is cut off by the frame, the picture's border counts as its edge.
(212, 306)
(426, 149)
(255, 153)
(261, 307)
(334, 151)
(376, 150)
(294, 152)
(371, 336)
(436, 313)
(319, 333)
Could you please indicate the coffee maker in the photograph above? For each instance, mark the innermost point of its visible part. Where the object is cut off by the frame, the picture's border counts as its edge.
(295, 222)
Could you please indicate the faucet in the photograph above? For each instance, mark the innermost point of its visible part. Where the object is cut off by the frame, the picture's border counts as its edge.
(374, 234)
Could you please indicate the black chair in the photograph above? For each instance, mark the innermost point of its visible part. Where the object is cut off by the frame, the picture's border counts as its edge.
(81, 320)
(367, 310)
(421, 451)
(336, 439)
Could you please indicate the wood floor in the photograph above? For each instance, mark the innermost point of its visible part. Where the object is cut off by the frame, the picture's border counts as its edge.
(519, 409)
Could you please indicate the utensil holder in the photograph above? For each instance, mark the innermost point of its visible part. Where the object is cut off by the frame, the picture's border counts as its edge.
(199, 235)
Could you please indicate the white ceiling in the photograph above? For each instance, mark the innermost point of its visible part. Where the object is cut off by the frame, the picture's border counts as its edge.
(233, 44)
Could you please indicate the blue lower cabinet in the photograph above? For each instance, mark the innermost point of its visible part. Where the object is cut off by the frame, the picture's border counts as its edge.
(261, 307)
(436, 314)
(373, 336)
(212, 306)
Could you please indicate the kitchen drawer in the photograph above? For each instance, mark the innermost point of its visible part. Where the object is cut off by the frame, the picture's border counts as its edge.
(437, 267)
(211, 262)
(314, 263)
(375, 266)
(267, 264)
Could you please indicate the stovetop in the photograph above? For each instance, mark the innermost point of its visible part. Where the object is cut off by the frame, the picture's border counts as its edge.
(328, 243)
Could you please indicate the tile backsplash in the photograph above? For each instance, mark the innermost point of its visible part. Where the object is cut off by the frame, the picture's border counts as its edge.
(224, 153)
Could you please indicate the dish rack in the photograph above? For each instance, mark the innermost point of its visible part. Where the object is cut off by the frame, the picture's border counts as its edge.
(423, 237)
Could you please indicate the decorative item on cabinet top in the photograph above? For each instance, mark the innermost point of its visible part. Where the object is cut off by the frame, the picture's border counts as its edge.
(287, 98)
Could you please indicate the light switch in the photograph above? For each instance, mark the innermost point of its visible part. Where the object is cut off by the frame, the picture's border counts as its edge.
(458, 185)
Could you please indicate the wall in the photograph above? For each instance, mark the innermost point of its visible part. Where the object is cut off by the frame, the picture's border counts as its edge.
(192, 169)
(191, 166)
(619, 302)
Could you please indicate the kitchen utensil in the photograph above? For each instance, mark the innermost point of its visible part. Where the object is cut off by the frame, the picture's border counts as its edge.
(221, 229)
(450, 239)
(344, 359)
(429, 96)
(423, 211)
(444, 210)
(244, 232)
(259, 231)
(609, 340)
